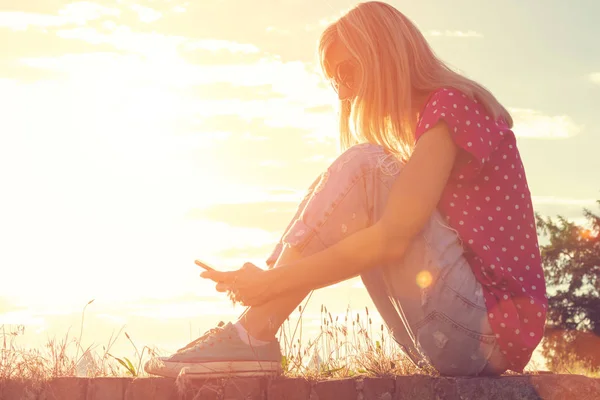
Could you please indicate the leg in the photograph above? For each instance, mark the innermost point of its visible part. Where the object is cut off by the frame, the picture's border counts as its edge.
(263, 322)
(352, 195)
(339, 203)
(454, 331)
(349, 196)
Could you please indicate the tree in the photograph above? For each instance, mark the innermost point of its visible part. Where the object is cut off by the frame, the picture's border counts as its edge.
(572, 268)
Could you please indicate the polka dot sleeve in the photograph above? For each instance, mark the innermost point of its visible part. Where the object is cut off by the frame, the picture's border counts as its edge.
(471, 127)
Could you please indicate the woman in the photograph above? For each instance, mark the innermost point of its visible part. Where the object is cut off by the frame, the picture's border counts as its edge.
(431, 185)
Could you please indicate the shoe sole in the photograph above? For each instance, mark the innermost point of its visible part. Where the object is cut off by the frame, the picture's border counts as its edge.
(215, 369)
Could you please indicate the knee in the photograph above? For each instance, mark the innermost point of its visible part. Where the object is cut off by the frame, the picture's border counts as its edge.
(367, 156)
(365, 150)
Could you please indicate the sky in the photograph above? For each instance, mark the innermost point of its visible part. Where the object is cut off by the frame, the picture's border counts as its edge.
(137, 136)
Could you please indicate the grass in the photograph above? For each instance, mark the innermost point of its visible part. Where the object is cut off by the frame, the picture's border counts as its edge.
(62, 357)
(576, 368)
(343, 348)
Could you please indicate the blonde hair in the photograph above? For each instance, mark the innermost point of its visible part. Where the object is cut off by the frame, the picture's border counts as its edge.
(396, 63)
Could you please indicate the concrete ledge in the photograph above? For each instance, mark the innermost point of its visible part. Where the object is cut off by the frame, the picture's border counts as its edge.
(414, 387)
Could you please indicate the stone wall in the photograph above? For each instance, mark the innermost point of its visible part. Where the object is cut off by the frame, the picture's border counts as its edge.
(415, 387)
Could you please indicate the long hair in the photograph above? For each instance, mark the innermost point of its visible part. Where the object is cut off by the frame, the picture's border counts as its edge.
(396, 63)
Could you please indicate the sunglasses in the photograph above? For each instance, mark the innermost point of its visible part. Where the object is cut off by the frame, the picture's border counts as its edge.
(345, 74)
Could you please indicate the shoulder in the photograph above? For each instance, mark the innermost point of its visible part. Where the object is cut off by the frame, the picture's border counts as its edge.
(451, 99)
(453, 107)
(472, 128)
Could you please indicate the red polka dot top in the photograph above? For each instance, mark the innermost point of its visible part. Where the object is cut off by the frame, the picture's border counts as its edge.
(487, 201)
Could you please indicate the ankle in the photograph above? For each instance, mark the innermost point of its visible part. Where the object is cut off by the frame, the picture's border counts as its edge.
(265, 337)
(255, 332)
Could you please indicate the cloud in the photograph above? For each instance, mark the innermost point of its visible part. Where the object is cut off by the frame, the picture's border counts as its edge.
(290, 90)
(153, 44)
(324, 22)
(142, 131)
(17, 20)
(315, 158)
(8, 305)
(165, 60)
(87, 11)
(570, 208)
(272, 29)
(595, 77)
(268, 70)
(534, 124)
(242, 254)
(272, 163)
(323, 108)
(74, 13)
(226, 90)
(36, 43)
(146, 14)
(459, 34)
(112, 318)
(217, 45)
(259, 139)
(191, 310)
(219, 235)
(145, 131)
(552, 200)
(124, 38)
(21, 317)
(272, 215)
(240, 195)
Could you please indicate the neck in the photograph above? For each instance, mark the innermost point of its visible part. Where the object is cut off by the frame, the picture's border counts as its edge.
(419, 100)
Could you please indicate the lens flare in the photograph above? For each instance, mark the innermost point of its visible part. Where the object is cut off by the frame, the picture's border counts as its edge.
(586, 234)
(424, 279)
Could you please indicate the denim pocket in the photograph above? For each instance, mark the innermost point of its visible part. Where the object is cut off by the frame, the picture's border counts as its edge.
(451, 348)
(455, 335)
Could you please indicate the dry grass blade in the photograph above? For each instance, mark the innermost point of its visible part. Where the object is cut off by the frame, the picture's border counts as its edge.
(341, 348)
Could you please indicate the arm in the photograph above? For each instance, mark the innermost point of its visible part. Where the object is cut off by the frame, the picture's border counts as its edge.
(413, 198)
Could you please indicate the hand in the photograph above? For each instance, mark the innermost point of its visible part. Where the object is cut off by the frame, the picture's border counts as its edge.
(248, 285)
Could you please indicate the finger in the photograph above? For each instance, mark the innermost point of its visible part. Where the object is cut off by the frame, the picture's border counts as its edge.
(208, 275)
(218, 276)
(250, 266)
(222, 287)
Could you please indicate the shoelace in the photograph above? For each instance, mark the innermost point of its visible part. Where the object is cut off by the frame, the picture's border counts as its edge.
(203, 338)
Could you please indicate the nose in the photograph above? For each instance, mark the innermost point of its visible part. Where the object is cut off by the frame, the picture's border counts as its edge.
(344, 92)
